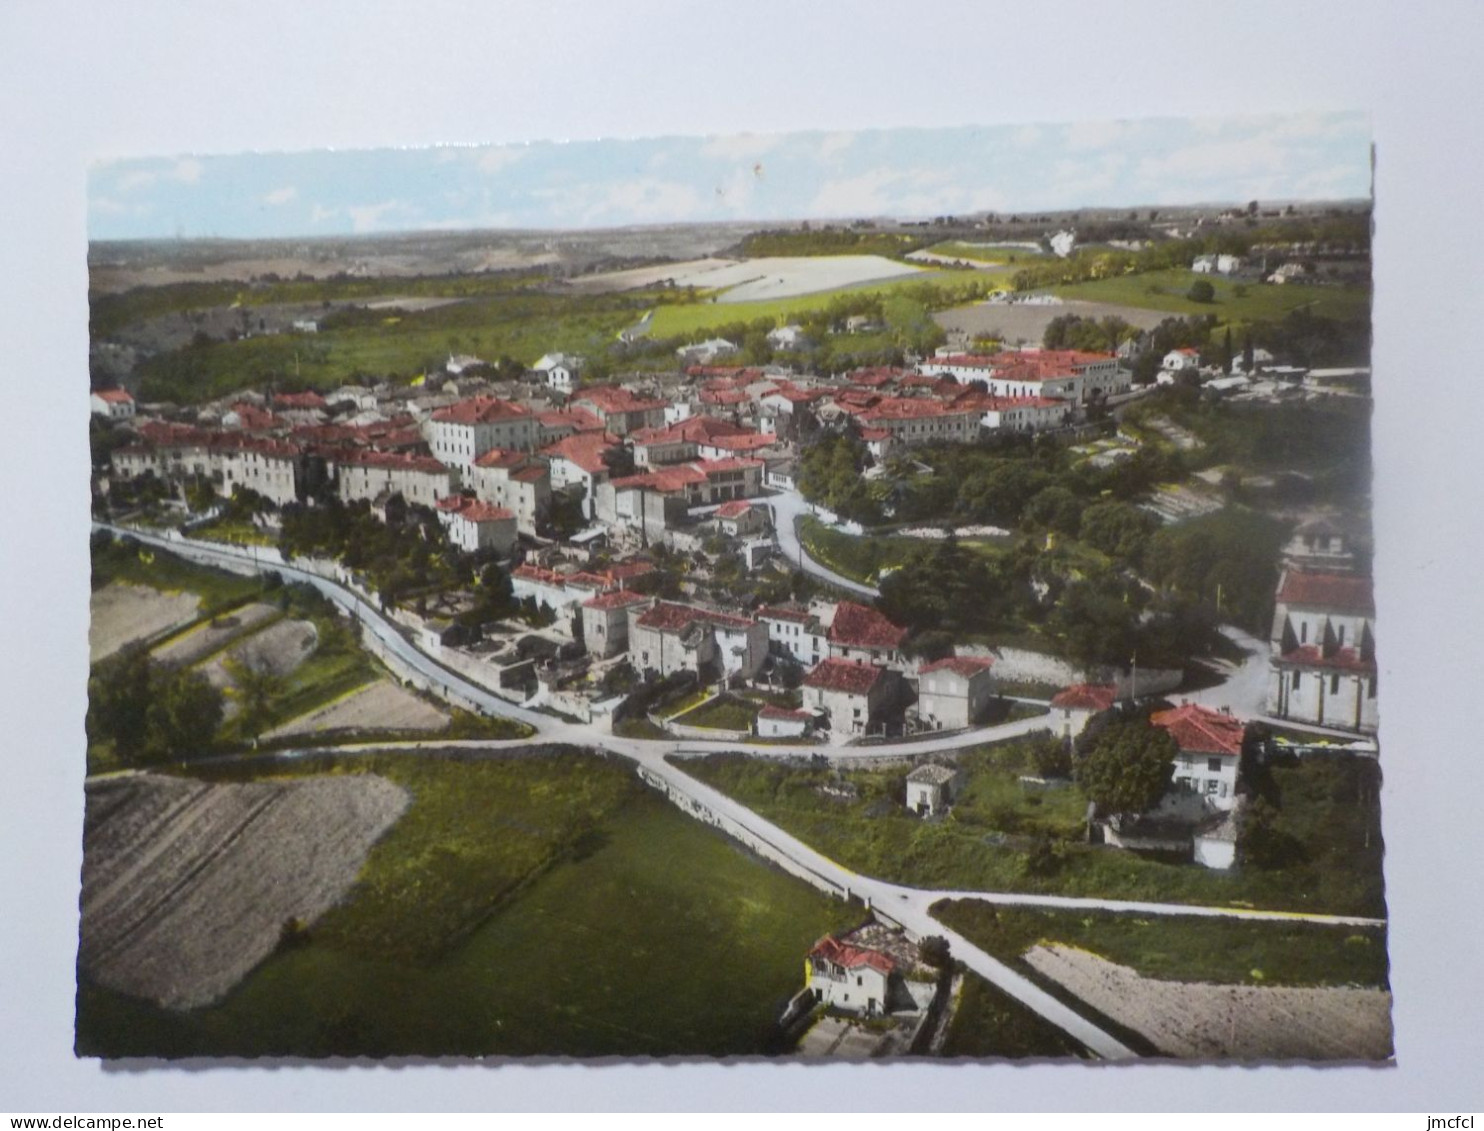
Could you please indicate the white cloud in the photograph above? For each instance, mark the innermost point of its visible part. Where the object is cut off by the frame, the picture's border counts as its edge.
(107, 206)
(862, 195)
(281, 195)
(740, 147)
(491, 161)
(319, 214)
(649, 199)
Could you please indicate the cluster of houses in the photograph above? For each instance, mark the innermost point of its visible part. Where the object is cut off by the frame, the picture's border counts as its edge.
(643, 456)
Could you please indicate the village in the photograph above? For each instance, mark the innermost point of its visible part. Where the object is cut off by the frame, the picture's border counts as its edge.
(667, 563)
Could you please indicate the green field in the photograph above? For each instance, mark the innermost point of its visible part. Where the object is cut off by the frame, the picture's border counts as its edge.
(858, 558)
(1263, 302)
(989, 1023)
(136, 564)
(1226, 951)
(681, 319)
(547, 906)
(996, 839)
(722, 713)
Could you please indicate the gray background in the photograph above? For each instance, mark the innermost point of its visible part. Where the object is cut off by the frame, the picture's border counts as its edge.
(79, 82)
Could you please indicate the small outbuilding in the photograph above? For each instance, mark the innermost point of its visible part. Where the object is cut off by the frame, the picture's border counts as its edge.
(931, 789)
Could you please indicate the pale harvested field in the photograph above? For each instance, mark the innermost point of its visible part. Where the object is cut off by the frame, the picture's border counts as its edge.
(383, 705)
(1201, 1021)
(1025, 323)
(755, 280)
(186, 885)
(213, 635)
(279, 648)
(123, 613)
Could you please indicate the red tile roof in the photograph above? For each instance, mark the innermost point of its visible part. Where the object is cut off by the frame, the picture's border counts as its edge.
(669, 617)
(485, 512)
(397, 461)
(1343, 592)
(611, 398)
(298, 400)
(585, 449)
(860, 626)
(577, 419)
(499, 457)
(1341, 659)
(616, 599)
(1201, 730)
(771, 712)
(727, 463)
(480, 410)
(966, 666)
(735, 509)
(785, 612)
(114, 396)
(1086, 697)
(843, 675)
(665, 479)
(833, 950)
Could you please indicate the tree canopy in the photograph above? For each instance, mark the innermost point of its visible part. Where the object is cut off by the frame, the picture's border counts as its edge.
(1129, 768)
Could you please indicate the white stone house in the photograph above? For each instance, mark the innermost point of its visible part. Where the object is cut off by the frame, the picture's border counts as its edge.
(783, 722)
(861, 634)
(740, 518)
(418, 479)
(1180, 360)
(559, 371)
(514, 480)
(849, 978)
(955, 693)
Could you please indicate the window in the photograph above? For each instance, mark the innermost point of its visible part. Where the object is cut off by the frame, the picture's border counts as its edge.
(1342, 636)
(1211, 787)
(859, 981)
(1295, 681)
(1334, 685)
(1303, 632)
(1371, 689)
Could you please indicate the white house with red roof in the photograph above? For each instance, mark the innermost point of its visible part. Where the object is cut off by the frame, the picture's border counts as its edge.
(1323, 666)
(853, 695)
(578, 461)
(462, 432)
(115, 404)
(669, 637)
(932, 788)
(621, 410)
(1210, 751)
(955, 692)
(1072, 707)
(862, 635)
(1181, 360)
(473, 526)
(784, 722)
(850, 978)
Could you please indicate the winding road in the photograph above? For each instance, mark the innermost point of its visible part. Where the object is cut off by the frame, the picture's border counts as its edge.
(788, 507)
(911, 907)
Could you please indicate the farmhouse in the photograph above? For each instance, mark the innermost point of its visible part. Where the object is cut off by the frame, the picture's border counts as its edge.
(955, 692)
(1180, 360)
(783, 722)
(559, 371)
(849, 978)
(739, 518)
(577, 461)
(620, 410)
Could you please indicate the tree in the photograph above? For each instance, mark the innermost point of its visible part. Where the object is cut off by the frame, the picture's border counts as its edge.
(1129, 768)
(257, 687)
(184, 714)
(1226, 352)
(118, 702)
(1201, 291)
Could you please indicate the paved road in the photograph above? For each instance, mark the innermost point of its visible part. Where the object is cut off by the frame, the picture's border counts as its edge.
(788, 507)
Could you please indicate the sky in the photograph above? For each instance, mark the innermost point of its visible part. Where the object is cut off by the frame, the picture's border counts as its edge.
(753, 177)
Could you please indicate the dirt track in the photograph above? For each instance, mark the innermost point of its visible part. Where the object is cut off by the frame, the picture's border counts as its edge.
(1212, 1022)
(203, 641)
(123, 613)
(186, 886)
